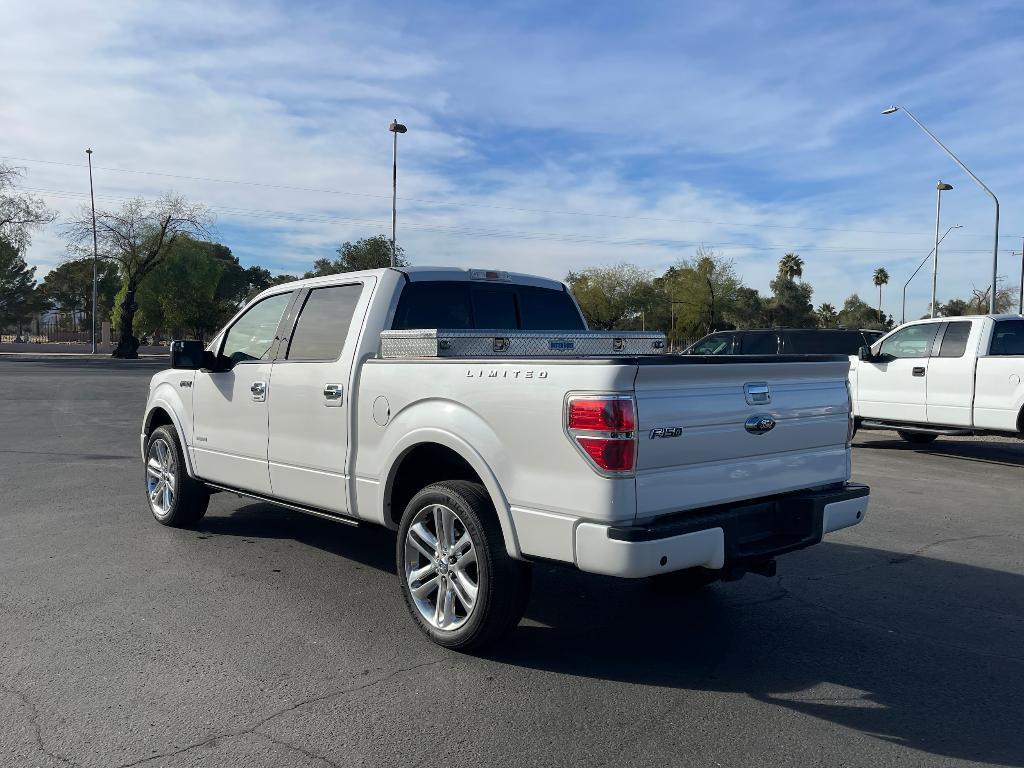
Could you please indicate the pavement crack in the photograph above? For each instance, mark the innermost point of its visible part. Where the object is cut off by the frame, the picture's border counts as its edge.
(37, 729)
(297, 748)
(254, 728)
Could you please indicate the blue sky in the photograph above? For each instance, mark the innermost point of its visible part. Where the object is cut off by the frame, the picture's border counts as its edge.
(542, 136)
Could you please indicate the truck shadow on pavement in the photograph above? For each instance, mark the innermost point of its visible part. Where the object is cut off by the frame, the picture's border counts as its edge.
(919, 652)
(916, 651)
(999, 452)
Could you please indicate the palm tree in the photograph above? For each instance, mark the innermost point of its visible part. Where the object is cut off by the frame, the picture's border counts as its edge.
(827, 316)
(791, 266)
(881, 278)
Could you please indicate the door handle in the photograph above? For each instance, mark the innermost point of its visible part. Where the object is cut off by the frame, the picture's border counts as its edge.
(333, 394)
(918, 370)
(259, 391)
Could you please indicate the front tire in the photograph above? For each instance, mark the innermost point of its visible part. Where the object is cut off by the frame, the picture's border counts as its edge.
(919, 438)
(174, 498)
(459, 583)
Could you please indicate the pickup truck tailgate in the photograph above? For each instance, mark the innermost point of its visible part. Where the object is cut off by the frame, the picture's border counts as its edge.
(718, 457)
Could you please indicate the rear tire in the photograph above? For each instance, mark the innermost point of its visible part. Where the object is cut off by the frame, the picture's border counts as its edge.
(174, 498)
(917, 437)
(688, 580)
(482, 591)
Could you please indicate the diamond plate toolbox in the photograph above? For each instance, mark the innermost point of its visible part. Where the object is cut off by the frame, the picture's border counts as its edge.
(431, 342)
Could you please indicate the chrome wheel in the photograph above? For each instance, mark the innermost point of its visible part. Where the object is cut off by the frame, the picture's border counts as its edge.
(441, 567)
(160, 471)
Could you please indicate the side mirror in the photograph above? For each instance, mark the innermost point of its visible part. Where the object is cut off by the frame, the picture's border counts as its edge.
(864, 353)
(188, 355)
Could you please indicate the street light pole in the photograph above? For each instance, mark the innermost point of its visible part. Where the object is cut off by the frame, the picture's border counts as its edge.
(914, 273)
(396, 128)
(95, 250)
(979, 182)
(939, 189)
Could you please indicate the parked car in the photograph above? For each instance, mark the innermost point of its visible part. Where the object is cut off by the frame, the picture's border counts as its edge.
(779, 341)
(943, 376)
(440, 403)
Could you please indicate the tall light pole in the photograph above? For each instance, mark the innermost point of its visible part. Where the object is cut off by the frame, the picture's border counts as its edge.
(914, 273)
(395, 128)
(979, 182)
(95, 250)
(940, 187)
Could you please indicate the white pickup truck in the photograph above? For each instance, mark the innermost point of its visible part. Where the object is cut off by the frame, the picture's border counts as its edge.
(943, 376)
(505, 433)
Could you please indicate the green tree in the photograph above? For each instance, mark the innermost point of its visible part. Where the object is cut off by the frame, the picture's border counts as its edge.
(857, 313)
(196, 289)
(790, 304)
(180, 297)
(955, 308)
(368, 253)
(17, 287)
(747, 309)
(880, 278)
(827, 316)
(703, 291)
(68, 288)
(20, 214)
(137, 238)
(791, 266)
(611, 297)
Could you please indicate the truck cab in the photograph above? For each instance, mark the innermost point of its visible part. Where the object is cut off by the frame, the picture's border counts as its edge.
(943, 376)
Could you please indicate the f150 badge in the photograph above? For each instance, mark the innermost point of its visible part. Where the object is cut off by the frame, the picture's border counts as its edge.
(759, 423)
(666, 432)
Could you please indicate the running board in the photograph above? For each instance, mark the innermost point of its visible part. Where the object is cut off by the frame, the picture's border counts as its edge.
(945, 431)
(321, 513)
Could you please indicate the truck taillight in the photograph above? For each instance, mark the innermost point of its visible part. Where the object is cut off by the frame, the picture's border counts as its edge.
(604, 428)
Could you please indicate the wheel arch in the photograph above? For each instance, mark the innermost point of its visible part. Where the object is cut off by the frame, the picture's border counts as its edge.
(160, 412)
(428, 456)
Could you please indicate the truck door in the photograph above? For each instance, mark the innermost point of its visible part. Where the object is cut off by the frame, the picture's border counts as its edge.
(893, 387)
(230, 405)
(310, 406)
(951, 374)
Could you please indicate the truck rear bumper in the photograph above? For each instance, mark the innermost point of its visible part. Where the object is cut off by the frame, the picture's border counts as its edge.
(720, 537)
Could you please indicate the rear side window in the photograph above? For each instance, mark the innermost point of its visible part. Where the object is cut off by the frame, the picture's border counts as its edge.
(468, 305)
(760, 344)
(824, 342)
(713, 345)
(954, 340)
(323, 323)
(1008, 338)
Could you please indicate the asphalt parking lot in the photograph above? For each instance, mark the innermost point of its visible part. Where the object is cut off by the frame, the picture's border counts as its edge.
(267, 638)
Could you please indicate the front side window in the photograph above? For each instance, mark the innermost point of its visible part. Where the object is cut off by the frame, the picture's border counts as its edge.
(824, 342)
(323, 323)
(954, 340)
(252, 335)
(912, 341)
(713, 345)
(1008, 338)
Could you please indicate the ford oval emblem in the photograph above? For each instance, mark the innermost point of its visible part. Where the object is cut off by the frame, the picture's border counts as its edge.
(758, 424)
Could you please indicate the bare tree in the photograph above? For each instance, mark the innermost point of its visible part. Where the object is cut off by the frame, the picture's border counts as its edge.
(19, 213)
(137, 237)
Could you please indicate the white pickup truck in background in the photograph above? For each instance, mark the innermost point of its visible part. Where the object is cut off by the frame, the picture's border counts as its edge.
(943, 376)
(503, 433)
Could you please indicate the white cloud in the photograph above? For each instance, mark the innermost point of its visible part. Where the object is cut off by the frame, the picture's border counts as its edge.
(753, 132)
